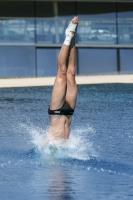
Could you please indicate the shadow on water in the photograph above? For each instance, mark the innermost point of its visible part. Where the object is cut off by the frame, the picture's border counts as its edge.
(58, 181)
(60, 186)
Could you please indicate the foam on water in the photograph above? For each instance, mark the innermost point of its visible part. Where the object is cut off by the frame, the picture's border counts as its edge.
(79, 146)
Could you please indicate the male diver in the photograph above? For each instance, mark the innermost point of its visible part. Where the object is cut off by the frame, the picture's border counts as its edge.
(64, 92)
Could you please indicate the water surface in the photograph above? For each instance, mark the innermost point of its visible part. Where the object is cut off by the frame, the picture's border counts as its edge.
(95, 163)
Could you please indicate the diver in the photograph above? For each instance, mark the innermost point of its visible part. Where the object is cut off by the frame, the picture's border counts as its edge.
(64, 91)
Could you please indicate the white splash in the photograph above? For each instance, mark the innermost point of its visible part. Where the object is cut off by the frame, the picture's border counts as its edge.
(78, 146)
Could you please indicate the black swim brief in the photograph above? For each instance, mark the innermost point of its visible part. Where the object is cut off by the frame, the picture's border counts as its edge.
(64, 110)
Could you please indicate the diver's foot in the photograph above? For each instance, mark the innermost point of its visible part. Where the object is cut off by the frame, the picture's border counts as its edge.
(72, 27)
(70, 31)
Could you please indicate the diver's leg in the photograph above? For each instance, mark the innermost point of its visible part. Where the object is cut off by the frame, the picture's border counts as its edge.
(71, 93)
(60, 84)
(59, 88)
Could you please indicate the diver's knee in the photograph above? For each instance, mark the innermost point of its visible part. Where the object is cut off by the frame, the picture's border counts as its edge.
(62, 70)
(71, 74)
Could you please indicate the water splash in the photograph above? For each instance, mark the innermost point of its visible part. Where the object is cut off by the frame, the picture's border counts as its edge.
(79, 146)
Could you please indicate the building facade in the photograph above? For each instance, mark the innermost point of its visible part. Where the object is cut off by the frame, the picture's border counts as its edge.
(31, 34)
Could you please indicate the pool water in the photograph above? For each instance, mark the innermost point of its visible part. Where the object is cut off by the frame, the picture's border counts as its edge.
(95, 163)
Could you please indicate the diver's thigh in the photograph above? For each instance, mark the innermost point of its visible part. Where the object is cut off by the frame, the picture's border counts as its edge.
(58, 93)
(71, 94)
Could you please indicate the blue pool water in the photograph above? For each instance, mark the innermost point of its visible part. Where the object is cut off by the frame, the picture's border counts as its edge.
(96, 163)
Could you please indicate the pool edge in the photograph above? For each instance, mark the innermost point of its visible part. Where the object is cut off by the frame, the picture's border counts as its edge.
(49, 81)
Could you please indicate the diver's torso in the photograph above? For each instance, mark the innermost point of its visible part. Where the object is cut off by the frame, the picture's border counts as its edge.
(59, 127)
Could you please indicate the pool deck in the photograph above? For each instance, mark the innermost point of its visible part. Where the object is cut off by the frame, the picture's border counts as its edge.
(47, 81)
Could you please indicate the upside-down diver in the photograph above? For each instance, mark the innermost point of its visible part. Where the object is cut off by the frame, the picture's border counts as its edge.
(64, 93)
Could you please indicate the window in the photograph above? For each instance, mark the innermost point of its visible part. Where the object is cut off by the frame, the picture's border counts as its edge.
(47, 61)
(66, 9)
(126, 60)
(94, 61)
(125, 22)
(17, 61)
(16, 9)
(44, 9)
(96, 9)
